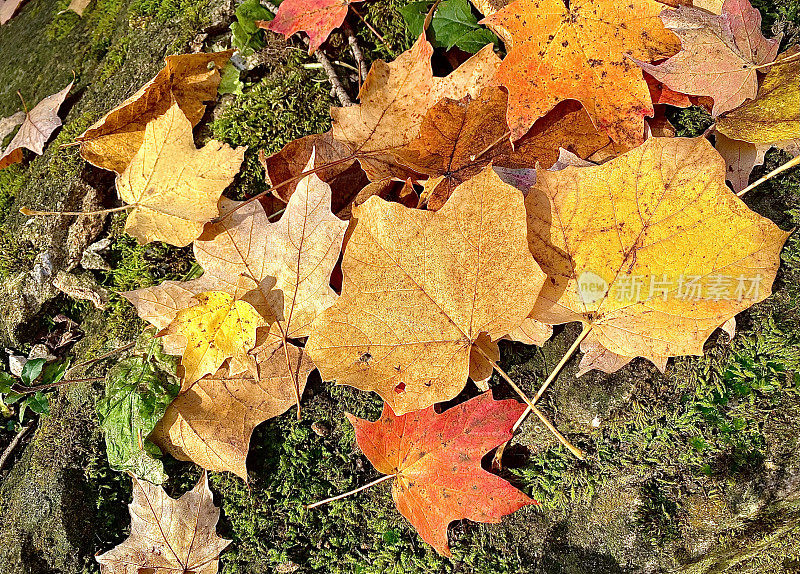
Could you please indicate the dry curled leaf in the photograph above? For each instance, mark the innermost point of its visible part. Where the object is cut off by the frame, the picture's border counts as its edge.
(394, 100)
(188, 80)
(219, 327)
(719, 54)
(581, 52)
(170, 204)
(740, 158)
(36, 128)
(168, 535)
(317, 18)
(436, 463)
(343, 173)
(420, 287)
(458, 138)
(650, 249)
(8, 8)
(211, 421)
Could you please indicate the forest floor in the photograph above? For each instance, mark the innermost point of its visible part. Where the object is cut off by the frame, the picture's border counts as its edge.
(694, 470)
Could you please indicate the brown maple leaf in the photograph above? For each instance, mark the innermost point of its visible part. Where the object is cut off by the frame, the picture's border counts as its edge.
(170, 204)
(719, 55)
(458, 138)
(650, 250)
(168, 535)
(342, 171)
(36, 128)
(435, 460)
(419, 289)
(581, 52)
(394, 100)
(189, 79)
(211, 421)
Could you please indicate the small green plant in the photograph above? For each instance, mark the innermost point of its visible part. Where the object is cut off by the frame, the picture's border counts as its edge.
(35, 372)
(246, 36)
(454, 25)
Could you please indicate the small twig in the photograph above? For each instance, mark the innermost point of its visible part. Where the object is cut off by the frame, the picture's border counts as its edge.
(100, 358)
(24, 107)
(271, 216)
(373, 30)
(358, 55)
(15, 442)
(561, 438)
(338, 88)
(30, 390)
(26, 211)
(359, 489)
(788, 165)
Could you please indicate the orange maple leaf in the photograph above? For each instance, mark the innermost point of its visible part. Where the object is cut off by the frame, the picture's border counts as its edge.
(582, 53)
(317, 18)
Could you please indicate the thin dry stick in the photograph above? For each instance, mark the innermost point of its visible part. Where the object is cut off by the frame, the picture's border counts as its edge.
(788, 165)
(15, 441)
(561, 438)
(26, 211)
(788, 60)
(358, 55)
(359, 489)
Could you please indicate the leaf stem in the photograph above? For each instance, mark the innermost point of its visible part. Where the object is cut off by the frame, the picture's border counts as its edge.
(554, 373)
(14, 442)
(491, 145)
(354, 491)
(531, 407)
(30, 390)
(26, 211)
(780, 169)
(373, 30)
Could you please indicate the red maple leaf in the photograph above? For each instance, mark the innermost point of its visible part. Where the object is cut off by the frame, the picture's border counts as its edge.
(436, 462)
(317, 18)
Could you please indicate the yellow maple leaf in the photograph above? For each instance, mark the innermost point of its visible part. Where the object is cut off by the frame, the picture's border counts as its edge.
(173, 186)
(217, 328)
(651, 250)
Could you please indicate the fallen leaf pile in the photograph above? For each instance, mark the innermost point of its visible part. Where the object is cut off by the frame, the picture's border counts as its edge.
(440, 215)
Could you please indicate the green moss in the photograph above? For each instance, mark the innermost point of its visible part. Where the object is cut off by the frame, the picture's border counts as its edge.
(190, 11)
(270, 114)
(65, 158)
(385, 18)
(114, 59)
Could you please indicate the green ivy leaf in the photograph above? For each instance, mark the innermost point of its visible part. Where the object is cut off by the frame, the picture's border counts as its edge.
(6, 380)
(453, 24)
(245, 35)
(32, 370)
(138, 392)
(54, 372)
(230, 83)
(38, 403)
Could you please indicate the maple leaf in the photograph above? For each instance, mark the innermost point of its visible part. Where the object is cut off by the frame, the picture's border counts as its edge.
(719, 55)
(217, 328)
(168, 535)
(188, 79)
(36, 128)
(343, 173)
(8, 8)
(8, 124)
(581, 53)
(287, 264)
(317, 18)
(774, 115)
(458, 138)
(211, 421)
(436, 462)
(740, 158)
(420, 287)
(394, 100)
(170, 204)
(651, 249)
